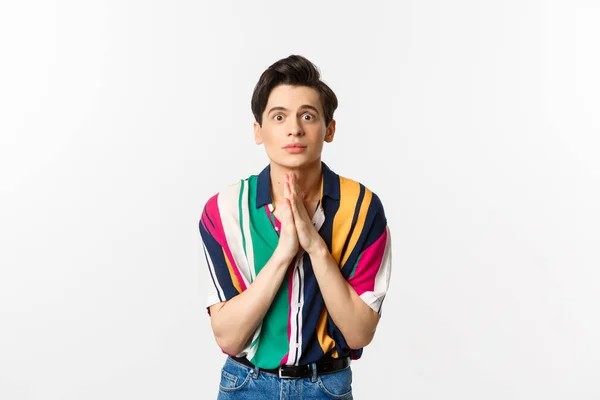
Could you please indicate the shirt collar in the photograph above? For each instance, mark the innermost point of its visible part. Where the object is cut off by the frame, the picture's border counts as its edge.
(331, 185)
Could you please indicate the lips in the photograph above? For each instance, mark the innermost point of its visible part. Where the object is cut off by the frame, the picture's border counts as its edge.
(294, 148)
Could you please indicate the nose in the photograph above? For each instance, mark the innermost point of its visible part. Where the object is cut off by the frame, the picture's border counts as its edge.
(295, 129)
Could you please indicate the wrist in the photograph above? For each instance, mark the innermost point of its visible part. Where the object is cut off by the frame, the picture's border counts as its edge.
(281, 257)
(319, 248)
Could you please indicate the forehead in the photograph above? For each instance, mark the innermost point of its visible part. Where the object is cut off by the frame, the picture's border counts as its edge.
(292, 97)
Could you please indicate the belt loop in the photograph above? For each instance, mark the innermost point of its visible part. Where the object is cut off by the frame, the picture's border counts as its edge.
(313, 370)
(255, 371)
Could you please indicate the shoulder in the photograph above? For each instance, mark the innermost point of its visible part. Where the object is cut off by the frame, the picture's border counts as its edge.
(364, 207)
(363, 195)
(228, 196)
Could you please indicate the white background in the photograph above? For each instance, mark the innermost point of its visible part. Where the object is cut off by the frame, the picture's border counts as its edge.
(477, 123)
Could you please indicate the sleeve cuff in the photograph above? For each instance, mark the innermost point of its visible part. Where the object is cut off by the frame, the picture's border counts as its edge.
(211, 300)
(373, 301)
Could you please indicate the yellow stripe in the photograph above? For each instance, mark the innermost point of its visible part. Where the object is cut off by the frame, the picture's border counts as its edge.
(360, 223)
(342, 222)
(326, 342)
(234, 278)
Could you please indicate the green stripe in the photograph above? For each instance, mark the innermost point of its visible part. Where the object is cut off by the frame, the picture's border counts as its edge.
(240, 201)
(273, 343)
(355, 265)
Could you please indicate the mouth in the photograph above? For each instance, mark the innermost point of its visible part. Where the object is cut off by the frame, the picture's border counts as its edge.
(294, 148)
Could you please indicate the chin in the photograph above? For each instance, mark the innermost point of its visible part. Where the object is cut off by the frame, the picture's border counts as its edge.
(295, 162)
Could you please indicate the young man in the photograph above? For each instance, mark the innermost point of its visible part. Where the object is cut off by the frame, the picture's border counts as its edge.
(300, 257)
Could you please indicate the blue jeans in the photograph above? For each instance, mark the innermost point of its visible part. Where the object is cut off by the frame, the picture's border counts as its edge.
(240, 382)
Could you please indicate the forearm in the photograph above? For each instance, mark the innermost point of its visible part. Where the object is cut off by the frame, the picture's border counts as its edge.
(355, 319)
(236, 320)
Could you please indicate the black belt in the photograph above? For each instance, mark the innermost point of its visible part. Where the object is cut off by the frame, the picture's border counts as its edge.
(301, 371)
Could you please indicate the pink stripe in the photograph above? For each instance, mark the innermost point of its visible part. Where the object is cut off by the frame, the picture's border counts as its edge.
(211, 214)
(368, 266)
(284, 359)
(218, 232)
(289, 326)
(277, 223)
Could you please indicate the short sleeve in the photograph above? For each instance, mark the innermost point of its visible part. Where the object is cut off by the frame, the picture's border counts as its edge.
(370, 276)
(223, 283)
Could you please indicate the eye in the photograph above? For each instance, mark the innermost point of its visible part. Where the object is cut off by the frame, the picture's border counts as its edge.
(310, 117)
(278, 117)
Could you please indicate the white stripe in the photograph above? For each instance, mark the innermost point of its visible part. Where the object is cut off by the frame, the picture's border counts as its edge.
(301, 306)
(229, 210)
(250, 352)
(247, 235)
(319, 217)
(230, 217)
(293, 310)
(213, 297)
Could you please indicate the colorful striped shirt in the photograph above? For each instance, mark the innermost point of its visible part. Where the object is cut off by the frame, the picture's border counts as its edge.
(240, 233)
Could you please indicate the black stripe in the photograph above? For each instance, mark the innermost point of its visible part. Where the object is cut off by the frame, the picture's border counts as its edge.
(379, 309)
(209, 220)
(330, 208)
(211, 274)
(296, 356)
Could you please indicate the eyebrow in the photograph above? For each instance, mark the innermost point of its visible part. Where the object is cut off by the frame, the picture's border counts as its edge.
(279, 108)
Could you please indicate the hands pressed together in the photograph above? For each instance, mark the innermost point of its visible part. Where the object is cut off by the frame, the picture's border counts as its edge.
(297, 230)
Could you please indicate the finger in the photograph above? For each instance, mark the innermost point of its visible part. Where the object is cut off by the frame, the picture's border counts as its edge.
(291, 189)
(290, 180)
(296, 200)
(304, 211)
(294, 205)
(300, 196)
(294, 191)
(298, 206)
(294, 184)
(299, 211)
(287, 212)
(286, 187)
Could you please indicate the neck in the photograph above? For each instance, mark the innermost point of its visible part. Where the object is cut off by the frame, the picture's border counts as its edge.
(308, 178)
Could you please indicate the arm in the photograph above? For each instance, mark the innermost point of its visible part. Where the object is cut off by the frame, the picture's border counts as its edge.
(234, 321)
(236, 313)
(355, 319)
(353, 304)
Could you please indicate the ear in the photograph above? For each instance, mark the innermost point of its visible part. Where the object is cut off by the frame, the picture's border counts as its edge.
(330, 132)
(257, 136)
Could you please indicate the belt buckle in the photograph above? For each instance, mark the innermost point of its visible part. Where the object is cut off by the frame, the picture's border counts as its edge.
(281, 376)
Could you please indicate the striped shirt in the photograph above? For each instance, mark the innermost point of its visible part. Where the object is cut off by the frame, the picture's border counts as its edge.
(240, 233)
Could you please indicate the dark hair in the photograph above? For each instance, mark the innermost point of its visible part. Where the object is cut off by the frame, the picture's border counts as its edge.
(294, 70)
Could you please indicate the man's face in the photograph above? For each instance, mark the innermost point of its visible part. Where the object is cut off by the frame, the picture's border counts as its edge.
(293, 126)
